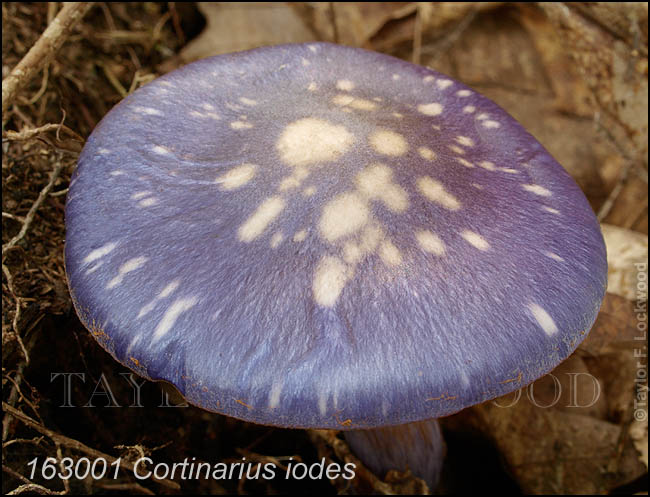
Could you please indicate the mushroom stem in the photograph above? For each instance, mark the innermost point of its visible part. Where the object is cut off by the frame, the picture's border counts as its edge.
(416, 446)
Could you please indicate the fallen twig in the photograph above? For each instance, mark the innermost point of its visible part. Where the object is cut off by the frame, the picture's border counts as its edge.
(42, 51)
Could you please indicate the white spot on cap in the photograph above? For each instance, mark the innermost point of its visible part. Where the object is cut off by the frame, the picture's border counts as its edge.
(464, 162)
(543, 318)
(428, 79)
(489, 124)
(475, 240)
(309, 191)
(305, 62)
(551, 210)
(276, 239)
(465, 141)
(486, 164)
(482, 117)
(236, 177)
(509, 170)
(468, 109)
(463, 93)
(396, 77)
(430, 242)
(100, 252)
(127, 267)
(432, 109)
(355, 103)
(264, 215)
(248, 101)
(329, 280)
(166, 292)
(103, 151)
(553, 255)
(388, 142)
(207, 106)
(139, 195)
(171, 316)
(240, 125)
(537, 190)
(343, 215)
(310, 141)
(426, 153)
(147, 202)
(444, 83)
(389, 253)
(274, 395)
(312, 86)
(300, 236)
(375, 181)
(345, 85)
(159, 149)
(150, 111)
(435, 191)
(456, 149)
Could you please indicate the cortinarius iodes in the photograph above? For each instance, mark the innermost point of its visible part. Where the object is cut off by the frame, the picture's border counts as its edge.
(321, 236)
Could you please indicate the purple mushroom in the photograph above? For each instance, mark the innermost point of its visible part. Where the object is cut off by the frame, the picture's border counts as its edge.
(320, 236)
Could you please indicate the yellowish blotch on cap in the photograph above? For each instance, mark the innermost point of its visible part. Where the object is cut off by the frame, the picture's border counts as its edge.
(396, 77)
(432, 109)
(159, 149)
(300, 236)
(140, 195)
(236, 177)
(352, 253)
(553, 255)
(465, 141)
(240, 125)
(435, 191)
(456, 149)
(486, 164)
(375, 181)
(294, 179)
(312, 86)
(388, 142)
(430, 242)
(509, 170)
(389, 253)
(329, 280)
(475, 240)
(537, 190)
(147, 202)
(426, 153)
(311, 140)
(343, 215)
(309, 191)
(345, 85)
(264, 215)
(464, 162)
(356, 103)
(276, 239)
(491, 124)
(543, 318)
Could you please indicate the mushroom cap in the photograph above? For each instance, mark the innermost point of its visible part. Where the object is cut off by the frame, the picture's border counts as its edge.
(314, 235)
